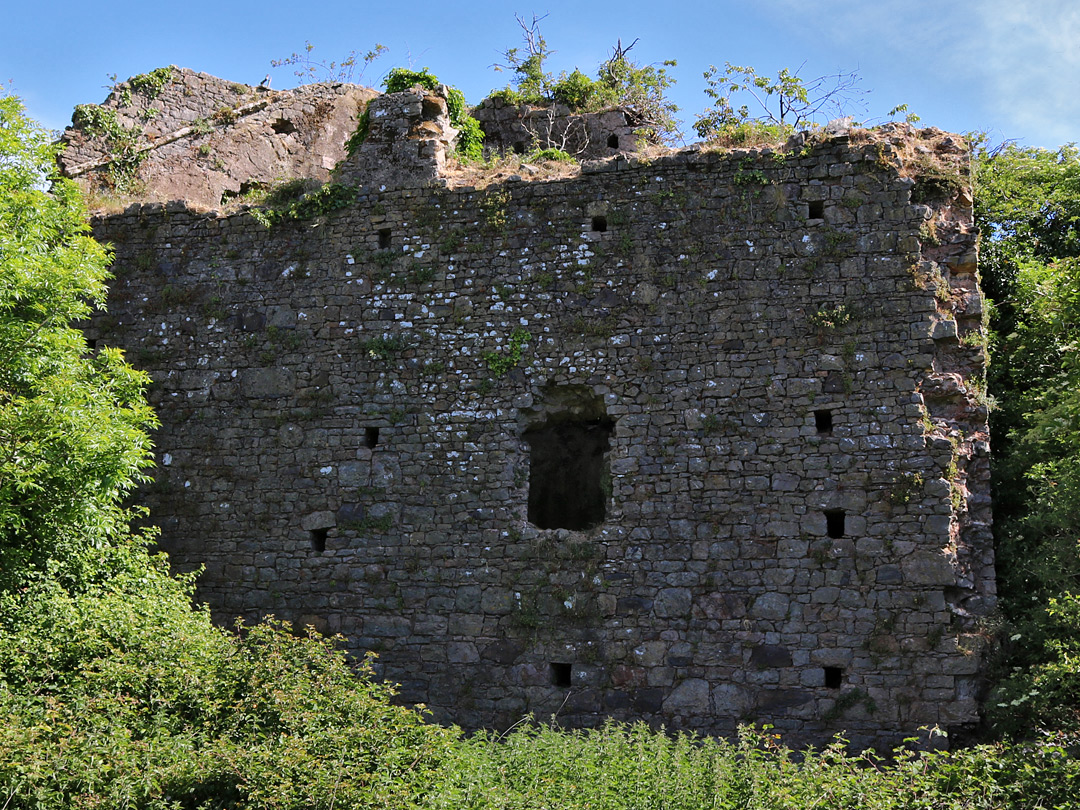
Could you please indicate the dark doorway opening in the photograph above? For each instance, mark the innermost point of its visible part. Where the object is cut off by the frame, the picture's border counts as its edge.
(613, 141)
(569, 480)
(816, 209)
(384, 238)
(371, 437)
(834, 677)
(318, 539)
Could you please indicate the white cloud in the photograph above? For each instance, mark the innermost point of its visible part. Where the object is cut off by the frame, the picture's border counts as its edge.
(1029, 62)
(1015, 64)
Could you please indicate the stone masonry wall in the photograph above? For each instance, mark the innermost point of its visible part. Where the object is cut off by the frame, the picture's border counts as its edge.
(774, 358)
(203, 139)
(588, 136)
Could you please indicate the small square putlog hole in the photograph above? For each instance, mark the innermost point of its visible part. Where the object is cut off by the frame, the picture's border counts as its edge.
(318, 539)
(371, 437)
(834, 523)
(569, 478)
(599, 224)
(834, 677)
(817, 209)
(613, 141)
(823, 421)
(560, 674)
(384, 238)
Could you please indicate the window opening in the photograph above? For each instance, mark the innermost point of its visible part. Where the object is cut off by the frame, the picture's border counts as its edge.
(560, 674)
(371, 437)
(318, 539)
(599, 224)
(834, 523)
(823, 421)
(817, 209)
(569, 480)
(384, 238)
(613, 141)
(834, 677)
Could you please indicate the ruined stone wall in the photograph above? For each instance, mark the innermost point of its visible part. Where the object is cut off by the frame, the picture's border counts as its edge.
(768, 365)
(204, 139)
(587, 136)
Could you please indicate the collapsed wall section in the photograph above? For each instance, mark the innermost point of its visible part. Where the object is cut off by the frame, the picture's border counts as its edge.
(178, 134)
(768, 364)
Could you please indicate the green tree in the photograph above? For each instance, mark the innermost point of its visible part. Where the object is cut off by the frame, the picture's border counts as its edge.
(72, 422)
(114, 692)
(781, 105)
(1027, 207)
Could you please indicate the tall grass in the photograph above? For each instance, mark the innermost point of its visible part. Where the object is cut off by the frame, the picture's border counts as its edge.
(620, 767)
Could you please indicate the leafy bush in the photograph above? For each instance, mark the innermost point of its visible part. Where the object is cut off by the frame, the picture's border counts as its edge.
(124, 696)
(557, 155)
(151, 84)
(401, 79)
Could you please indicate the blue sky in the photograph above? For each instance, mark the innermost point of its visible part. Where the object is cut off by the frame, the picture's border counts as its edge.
(1009, 67)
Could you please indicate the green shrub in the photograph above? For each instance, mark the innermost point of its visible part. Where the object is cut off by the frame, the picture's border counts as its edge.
(152, 83)
(123, 696)
(401, 79)
(557, 155)
(577, 91)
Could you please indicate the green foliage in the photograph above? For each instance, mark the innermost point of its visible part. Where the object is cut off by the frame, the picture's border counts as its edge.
(641, 89)
(151, 84)
(308, 69)
(288, 204)
(830, 318)
(1027, 205)
(501, 362)
(356, 140)
(71, 424)
(384, 348)
(123, 143)
(620, 766)
(113, 691)
(400, 79)
(124, 696)
(786, 102)
(470, 141)
(557, 155)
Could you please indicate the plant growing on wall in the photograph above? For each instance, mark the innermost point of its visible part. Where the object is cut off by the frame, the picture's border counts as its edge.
(470, 140)
(620, 82)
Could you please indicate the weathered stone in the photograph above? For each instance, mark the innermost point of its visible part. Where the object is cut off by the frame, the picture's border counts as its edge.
(689, 697)
(770, 656)
(386, 366)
